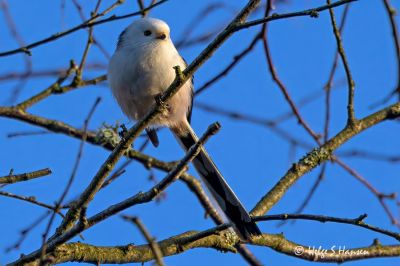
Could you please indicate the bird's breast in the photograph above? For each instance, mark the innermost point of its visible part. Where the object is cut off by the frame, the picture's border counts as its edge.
(137, 76)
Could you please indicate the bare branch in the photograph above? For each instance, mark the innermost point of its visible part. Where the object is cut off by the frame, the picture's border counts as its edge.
(392, 13)
(309, 12)
(359, 221)
(56, 249)
(320, 155)
(213, 238)
(89, 23)
(32, 200)
(350, 81)
(71, 178)
(11, 178)
(280, 84)
(66, 232)
(380, 196)
(150, 240)
(24, 232)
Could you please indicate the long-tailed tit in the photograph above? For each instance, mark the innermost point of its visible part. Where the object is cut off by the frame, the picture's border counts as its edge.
(139, 71)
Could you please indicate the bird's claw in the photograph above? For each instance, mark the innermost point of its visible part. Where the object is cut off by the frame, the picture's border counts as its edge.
(165, 106)
(123, 131)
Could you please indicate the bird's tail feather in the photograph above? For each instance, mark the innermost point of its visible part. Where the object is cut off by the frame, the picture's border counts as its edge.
(218, 187)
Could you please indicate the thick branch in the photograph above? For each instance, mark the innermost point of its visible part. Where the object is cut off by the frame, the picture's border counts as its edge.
(222, 241)
(60, 127)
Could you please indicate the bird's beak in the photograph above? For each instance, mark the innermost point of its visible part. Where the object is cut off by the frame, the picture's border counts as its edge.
(161, 36)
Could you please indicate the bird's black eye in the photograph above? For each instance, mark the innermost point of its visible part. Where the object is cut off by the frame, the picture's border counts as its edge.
(147, 33)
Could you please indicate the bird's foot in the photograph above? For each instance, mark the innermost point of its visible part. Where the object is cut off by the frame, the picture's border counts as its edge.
(165, 107)
(123, 131)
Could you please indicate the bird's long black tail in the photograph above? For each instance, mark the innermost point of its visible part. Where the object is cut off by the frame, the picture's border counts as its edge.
(218, 187)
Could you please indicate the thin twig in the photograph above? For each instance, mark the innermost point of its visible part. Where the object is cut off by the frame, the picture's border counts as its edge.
(327, 89)
(392, 13)
(236, 59)
(16, 35)
(280, 84)
(313, 188)
(380, 196)
(141, 6)
(32, 200)
(313, 96)
(359, 221)
(27, 133)
(370, 155)
(72, 177)
(329, 82)
(186, 40)
(89, 23)
(50, 90)
(24, 232)
(83, 18)
(270, 124)
(150, 240)
(313, 12)
(11, 178)
(195, 186)
(351, 119)
(13, 75)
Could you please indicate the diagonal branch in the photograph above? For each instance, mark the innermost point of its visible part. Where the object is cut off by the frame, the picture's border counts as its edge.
(140, 198)
(32, 200)
(150, 240)
(320, 155)
(280, 84)
(379, 195)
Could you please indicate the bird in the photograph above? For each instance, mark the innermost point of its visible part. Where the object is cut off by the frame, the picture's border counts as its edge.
(139, 71)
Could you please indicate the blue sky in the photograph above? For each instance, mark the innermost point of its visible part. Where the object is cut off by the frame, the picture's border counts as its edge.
(251, 157)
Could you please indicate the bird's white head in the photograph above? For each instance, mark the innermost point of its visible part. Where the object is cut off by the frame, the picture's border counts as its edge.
(144, 31)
